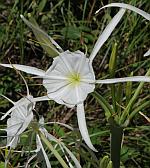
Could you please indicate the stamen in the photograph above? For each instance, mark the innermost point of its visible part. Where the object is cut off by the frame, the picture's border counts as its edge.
(74, 79)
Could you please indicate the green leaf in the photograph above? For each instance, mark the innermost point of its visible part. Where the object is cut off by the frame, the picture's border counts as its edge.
(110, 165)
(71, 32)
(54, 151)
(129, 90)
(112, 61)
(42, 5)
(112, 69)
(2, 164)
(124, 117)
(105, 105)
(47, 43)
(104, 162)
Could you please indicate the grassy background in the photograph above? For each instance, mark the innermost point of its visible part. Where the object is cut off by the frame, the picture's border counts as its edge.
(74, 25)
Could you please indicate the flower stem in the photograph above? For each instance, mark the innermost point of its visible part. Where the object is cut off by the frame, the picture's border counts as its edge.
(116, 142)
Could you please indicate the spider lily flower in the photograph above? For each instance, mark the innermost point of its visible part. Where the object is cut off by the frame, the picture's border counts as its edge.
(71, 78)
(20, 117)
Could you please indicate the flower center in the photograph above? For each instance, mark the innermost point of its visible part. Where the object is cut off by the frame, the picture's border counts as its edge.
(74, 78)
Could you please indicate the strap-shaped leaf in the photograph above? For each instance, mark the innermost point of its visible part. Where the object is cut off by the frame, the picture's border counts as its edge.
(54, 151)
(40, 146)
(128, 108)
(48, 44)
(105, 105)
(77, 164)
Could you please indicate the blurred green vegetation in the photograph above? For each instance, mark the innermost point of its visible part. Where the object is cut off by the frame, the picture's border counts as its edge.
(74, 25)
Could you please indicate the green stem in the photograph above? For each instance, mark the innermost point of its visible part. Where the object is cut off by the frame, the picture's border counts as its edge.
(57, 155)
(116, 142)
(132, 101)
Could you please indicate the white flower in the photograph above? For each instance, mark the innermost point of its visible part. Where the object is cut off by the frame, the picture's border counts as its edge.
(70, 78)
(20, 117)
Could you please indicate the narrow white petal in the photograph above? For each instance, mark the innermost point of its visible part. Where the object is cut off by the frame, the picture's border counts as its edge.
(147, 53)
(7, 99)
(106, 33)
(39, 145)
(83, 127)
(28, 94)
(126, 79)
(77, 164)
(24, 68)
(127, 6)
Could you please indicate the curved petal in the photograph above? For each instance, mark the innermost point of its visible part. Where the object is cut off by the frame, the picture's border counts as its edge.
(7, 98)
(126, 79)
(83, 127)
(27, 69)
(127, 6)
(147, 53)
(106, 33)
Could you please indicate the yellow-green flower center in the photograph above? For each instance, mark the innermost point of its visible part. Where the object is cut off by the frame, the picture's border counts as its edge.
(74, 78)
